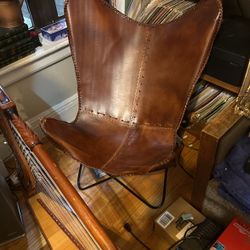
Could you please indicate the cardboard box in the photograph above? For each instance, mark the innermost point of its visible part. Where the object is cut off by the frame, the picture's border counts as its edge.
(235, 237)
(165, 223)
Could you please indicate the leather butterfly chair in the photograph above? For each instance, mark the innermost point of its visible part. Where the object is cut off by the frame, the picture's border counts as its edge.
(134, 82)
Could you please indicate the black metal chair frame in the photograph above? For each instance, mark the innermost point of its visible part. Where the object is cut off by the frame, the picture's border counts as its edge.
(138, 196)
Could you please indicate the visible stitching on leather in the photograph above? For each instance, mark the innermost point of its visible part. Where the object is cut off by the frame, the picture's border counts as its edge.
(118, 150)
(159, 163)
(140, 77)
(205, 57)
(125, 122)
(106, 117)
(73, 52)
(126, 138)
(166, 160)
(203, 61)
(195, 78)
(124, 16)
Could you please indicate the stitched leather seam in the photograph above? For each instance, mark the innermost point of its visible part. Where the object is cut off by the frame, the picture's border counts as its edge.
(205, 57)
(126, 138)
(140, 77)
(118, 150)
(103, 115)
(195, 78)
(73, 52)
(162, 162)
(125, 122)
(204, 60)
(159, 163)
(166, 160)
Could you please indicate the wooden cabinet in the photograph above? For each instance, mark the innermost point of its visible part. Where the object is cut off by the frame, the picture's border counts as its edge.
(216, 139)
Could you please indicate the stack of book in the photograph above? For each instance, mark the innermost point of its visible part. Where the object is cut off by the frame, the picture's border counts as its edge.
(15, 43)
(206, 102)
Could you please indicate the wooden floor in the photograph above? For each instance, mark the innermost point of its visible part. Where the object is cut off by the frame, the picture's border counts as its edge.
(114, 206)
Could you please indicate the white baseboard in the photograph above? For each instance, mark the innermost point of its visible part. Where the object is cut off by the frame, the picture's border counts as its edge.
(65, 110)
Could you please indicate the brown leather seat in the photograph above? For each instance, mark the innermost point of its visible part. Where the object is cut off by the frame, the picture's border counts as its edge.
(134, 82)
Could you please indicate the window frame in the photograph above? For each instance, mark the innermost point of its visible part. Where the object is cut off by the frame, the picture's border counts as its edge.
(42, 12)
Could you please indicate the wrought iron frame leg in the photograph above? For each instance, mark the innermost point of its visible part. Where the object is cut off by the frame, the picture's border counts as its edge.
(90, 185)
(141, 198)
(138, 196)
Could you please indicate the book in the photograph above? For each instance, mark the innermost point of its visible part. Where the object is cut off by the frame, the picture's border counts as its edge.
(7, 33)
(15, 48)
(235, 236)
(17, 56)
(202, 98)
(199, 87)
(212, 107)
(220, 109)
(14, 38)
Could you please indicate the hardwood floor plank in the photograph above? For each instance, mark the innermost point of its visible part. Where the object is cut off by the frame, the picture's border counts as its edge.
(114, 206)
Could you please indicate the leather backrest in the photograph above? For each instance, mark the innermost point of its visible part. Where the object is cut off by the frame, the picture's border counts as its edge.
(138, 73)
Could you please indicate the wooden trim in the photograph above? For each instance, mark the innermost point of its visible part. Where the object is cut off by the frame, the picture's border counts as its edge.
(205, 163)
(209, 143)
(96, 231)
(74, 199)
(222, 84)
(53, 234)
(28, 180)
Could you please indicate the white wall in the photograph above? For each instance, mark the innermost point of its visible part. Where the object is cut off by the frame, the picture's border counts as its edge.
(44, 89)
(43, 92)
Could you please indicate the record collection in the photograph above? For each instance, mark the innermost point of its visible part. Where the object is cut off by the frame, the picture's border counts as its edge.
(206, 102)
(158, 11)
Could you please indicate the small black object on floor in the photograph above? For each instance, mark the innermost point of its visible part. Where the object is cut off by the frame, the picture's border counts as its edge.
(202, 237)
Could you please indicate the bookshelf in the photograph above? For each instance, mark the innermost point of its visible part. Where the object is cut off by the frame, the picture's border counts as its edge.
(216, 139)
(221, 84)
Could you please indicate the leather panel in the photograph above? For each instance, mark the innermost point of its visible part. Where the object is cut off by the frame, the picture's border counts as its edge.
(177, 54)
(144, 149)
(93, 143)
(109, 146)
(107, 56)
